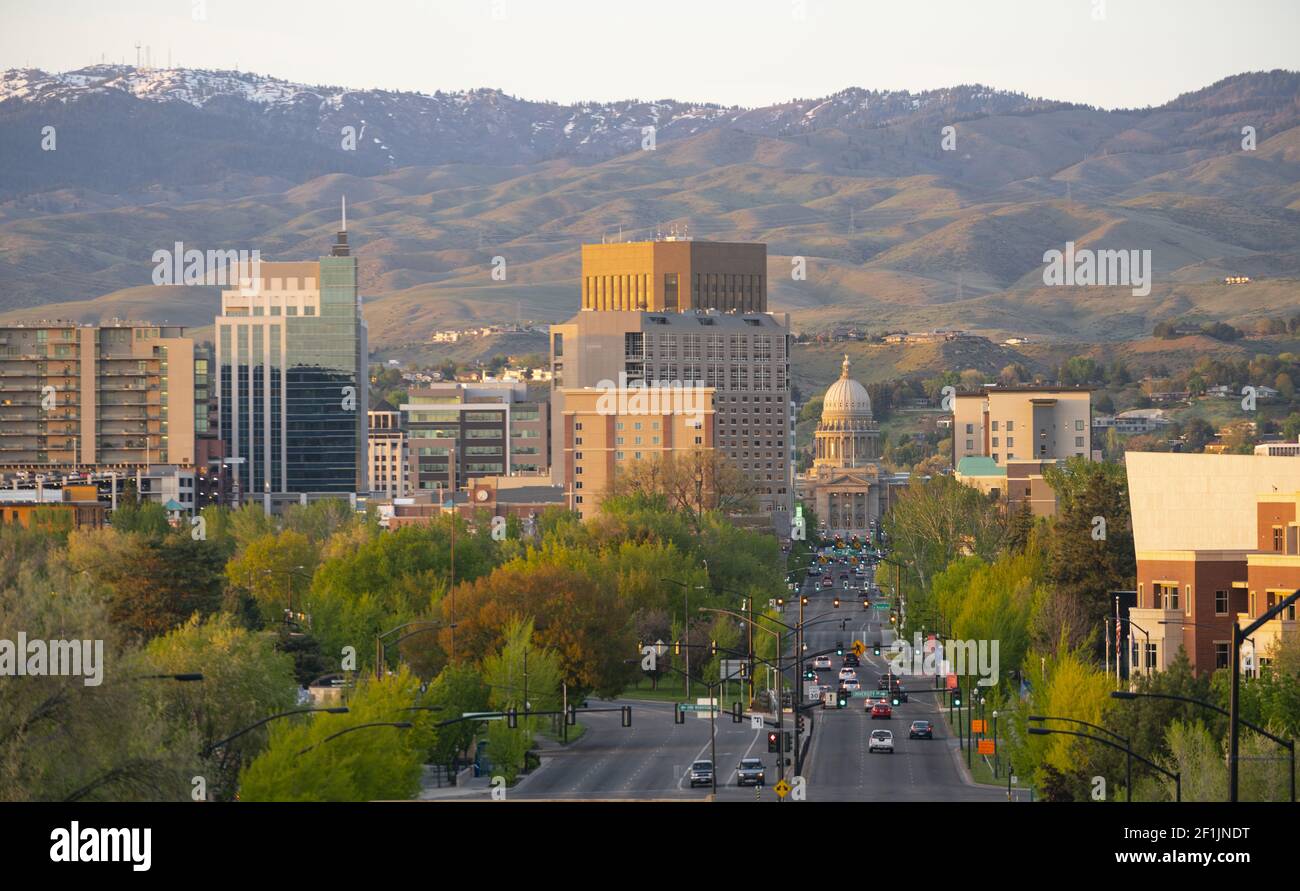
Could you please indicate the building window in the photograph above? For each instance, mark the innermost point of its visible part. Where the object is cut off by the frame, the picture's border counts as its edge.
(1166, 595)
(1078, 424)
(1278, 538)
(995, 442)
(1011, 440)
(1220, 603)
(1010, 426)
(1221, 654)
(970, 428)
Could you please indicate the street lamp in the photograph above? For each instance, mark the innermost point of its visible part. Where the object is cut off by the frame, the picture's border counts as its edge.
(1128, 770)
(1176, 775)
(686, 625)
(333, 710)
(1288, 744)
(400, 725)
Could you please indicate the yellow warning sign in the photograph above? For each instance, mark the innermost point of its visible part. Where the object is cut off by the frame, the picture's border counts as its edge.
(782, 789)
(859, 648)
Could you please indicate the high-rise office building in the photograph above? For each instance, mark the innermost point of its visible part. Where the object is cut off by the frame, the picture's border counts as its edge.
(493, 428)
(96, 396)
(674, 275)
(292, 378)
(743, 356)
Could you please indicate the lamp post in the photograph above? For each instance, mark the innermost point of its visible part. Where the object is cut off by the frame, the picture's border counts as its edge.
(1234, 705)
(1128, 769)
(1288, 744)
(1176, 775)
(400, 725)
(333, 710)
(686, 626)
(379, 641)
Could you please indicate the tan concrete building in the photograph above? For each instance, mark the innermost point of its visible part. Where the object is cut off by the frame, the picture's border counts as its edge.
(605, 430)
(1022, 423)
(96, 396)
(1215, 539)
(743, 358)
(674, 275)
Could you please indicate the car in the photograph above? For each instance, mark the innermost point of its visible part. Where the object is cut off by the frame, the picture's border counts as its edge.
(750, 772)
(920, 730)
(822, 663)
(882, 710)
(701, 774)
(846, 673)
(881, 741)
(851, 660)
(828, 582)
(850, 684)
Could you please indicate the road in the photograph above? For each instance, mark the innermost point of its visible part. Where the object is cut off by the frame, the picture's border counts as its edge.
(651, 759)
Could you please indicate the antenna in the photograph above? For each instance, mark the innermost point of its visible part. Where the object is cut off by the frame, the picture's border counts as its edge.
(345, 214)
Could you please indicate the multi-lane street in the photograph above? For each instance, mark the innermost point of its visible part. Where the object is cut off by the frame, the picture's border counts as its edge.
(652, 759)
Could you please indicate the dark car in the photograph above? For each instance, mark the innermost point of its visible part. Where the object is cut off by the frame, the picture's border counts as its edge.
(851, 661)
(750, 772)
(920, 730)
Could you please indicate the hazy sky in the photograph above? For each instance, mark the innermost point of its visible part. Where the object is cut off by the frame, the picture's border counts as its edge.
(1111, 53)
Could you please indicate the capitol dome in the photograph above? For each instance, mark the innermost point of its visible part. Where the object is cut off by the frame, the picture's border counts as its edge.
(847, 434)
(846, 398)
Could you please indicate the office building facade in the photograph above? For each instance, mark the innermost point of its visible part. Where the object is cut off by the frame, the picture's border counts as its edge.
(291, 353)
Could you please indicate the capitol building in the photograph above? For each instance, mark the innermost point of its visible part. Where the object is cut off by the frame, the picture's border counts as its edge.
(846, 485)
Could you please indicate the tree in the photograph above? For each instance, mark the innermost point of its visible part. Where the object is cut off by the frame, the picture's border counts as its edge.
(693, 482)
(91, 737)
(152, 585)
(1090, 557)
(245, 679)
(276, 569)
(457, 689)
(573, 614)
(148, 518)
(368, 764)
(524, 676)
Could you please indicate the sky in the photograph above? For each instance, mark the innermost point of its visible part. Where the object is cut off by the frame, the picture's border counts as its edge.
(1107, 53)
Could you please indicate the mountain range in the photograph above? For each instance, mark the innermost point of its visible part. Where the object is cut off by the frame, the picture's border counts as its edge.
(900, 221)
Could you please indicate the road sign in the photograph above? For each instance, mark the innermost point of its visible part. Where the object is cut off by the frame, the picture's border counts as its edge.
(978, 725)
(755, 722)
(859, 648)
(731, 669)
(880, 604)
(813, 691)
(689, 707)
(782, 789)
(986, 747)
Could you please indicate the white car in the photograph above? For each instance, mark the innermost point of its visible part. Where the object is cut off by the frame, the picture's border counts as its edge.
(848, 674)
(881, 741)
(822, 663)
(850, 684)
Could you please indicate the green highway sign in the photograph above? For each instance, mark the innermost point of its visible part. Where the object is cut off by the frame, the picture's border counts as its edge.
(689, 707)
(863, 694)
(880, 605)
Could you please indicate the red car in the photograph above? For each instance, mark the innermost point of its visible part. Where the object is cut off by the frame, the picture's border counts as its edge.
(881, 710)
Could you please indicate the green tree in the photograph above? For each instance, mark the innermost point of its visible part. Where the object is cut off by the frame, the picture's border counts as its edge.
(301, 763)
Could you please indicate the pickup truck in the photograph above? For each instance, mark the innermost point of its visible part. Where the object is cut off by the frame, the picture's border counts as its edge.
(750, 772)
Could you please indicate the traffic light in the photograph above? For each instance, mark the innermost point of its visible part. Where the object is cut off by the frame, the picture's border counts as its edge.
(773, 742)
(836, 603)
(789, 740)
(810, 675)
(866, 603)
(804, 600)
(677, 648)
(956, 697)
(512, 719)
(839, 648)
(875, 650)
(842, 699)
(713, 648)
(679, 716)
(798, 723)
(571, 717)
(627, 716)
(780, 601)
(896, 700)
(736, 716)
(893, 618)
